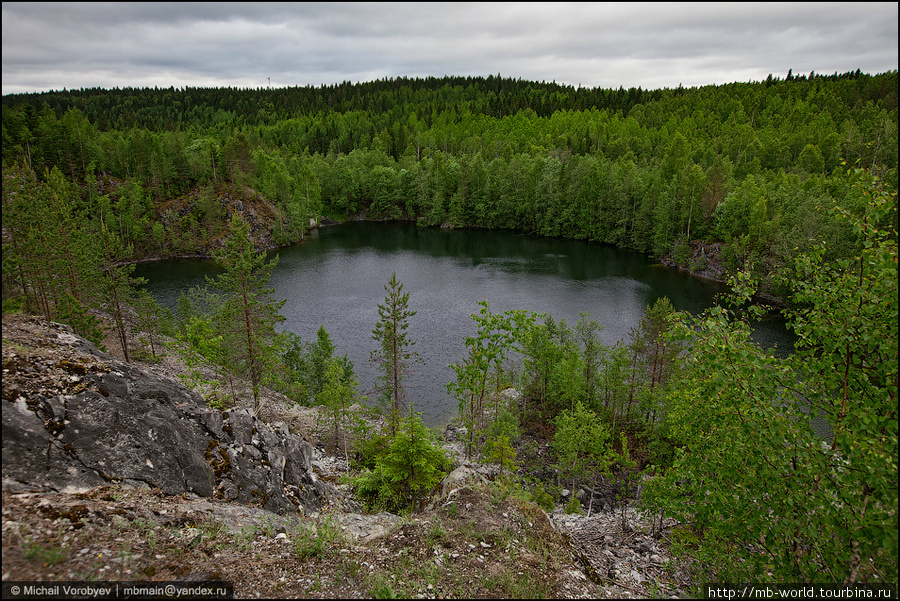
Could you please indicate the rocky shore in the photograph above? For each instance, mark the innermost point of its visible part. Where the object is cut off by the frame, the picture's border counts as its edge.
(117, 471)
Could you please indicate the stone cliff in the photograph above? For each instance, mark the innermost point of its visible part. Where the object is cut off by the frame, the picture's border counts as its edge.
(75, 417)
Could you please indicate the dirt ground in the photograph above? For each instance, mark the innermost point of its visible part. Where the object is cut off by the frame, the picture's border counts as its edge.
(477, 544)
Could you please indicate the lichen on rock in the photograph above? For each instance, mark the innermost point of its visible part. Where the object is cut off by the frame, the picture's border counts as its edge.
(75, 417)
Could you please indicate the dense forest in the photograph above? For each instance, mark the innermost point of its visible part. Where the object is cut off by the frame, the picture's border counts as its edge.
(748, 164)
(793, 179)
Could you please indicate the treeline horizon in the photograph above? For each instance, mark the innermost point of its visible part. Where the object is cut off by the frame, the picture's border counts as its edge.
(752, 165)
(496, 96)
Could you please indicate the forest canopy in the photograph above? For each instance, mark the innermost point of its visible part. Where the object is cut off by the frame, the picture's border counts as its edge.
(751, 165)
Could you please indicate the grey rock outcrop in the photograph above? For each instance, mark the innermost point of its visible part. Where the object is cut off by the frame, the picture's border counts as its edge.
(74, 417)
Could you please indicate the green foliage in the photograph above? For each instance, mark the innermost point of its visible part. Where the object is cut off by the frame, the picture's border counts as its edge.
(44, 556)
(197, 304)
(660, 446)
(249, 314)
(581, 441)
(846, 356)
(563, 366)
(412, 465)
(294, 370)
(314, 540)
(652, 359)
(544, 499)
(553, 369)
(573, 505)
(631, 168)
(593, 356)
(394, 357)
(65, 260)
(303, 366)
(151, 320)
(497, 335)
(321, 360)
(232, 326)
(119, 291)
(201, 346)
(131, 215)
(498, 448)
(505, 423)
(369, 450)
(382, 589)
(682, 253)
(623, 470)
(615, 382)
(337, 396)
(72, 312)
(95, 177)
(769, 499)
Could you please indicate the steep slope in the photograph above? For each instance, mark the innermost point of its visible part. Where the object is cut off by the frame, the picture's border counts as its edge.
(113, 472)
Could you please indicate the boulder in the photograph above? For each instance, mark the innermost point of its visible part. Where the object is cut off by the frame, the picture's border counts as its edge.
(365, 528)
(458, 477)
(74, 417)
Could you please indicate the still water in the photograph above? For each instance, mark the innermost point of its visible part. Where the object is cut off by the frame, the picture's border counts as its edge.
(337, 276)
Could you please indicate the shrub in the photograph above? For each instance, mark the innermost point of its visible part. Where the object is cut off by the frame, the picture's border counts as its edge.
(410, 468)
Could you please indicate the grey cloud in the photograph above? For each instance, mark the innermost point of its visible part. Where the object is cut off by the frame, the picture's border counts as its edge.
(593, 44)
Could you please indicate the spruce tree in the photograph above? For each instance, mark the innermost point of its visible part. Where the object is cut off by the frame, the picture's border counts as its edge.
(394, 357)
(406, 471)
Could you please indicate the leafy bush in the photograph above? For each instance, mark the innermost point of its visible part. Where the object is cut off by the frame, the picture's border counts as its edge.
(769, 499)
(573, 505)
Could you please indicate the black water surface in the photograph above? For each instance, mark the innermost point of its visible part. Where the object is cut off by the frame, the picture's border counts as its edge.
(336, 278)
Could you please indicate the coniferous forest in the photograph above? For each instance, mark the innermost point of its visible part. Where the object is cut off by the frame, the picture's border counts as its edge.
(793, 179)
(749, 164)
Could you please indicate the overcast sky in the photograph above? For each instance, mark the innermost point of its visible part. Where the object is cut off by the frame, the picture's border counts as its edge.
(50, 46)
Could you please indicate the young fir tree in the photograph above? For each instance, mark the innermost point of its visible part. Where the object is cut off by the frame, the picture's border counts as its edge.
(499, 446)
(394, 357)
(408, 469)
(249, 313)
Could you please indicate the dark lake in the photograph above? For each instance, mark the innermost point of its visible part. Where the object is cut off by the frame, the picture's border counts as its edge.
(336, 278)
